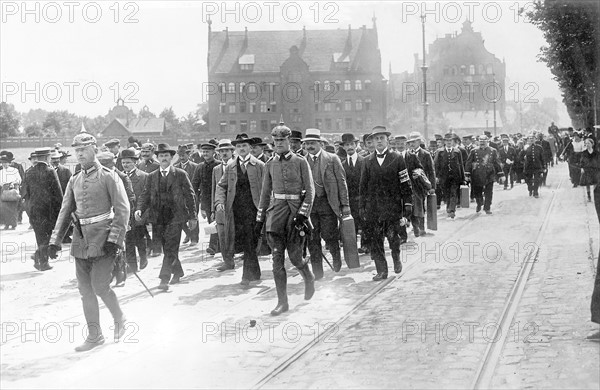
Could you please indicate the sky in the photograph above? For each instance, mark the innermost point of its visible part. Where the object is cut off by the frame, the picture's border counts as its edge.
(82, 55)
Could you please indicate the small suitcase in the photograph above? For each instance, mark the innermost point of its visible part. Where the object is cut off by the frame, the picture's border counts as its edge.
(432, 212)
(348, 233)
(465, 198)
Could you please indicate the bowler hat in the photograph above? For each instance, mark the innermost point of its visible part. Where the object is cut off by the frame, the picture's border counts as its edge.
(349, 137)
(243, 138)
(129, 153)
(165, 148)
(7, 154)
(3, 158)
(297, 135)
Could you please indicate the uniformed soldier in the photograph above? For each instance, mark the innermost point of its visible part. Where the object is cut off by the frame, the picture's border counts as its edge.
(97, 197)
(482, 168)
(331, 201)
(534, 166)
(288, 181)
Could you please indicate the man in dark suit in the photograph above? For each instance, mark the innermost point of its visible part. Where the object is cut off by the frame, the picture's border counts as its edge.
(189, 167)
(136, 237)
(426, 161)
(257, 149)
(238, 195)
(449, 169)
(43, 196)
(202, 185)
(547, 151)
(170, 197)
(534, 166)
(149, 164)
(64, 175)
(385, 200)
(507, 155)
(482, 168)
(352, 164)
(331, 201)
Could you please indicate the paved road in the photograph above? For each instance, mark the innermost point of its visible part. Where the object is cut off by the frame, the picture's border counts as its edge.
(426, 329)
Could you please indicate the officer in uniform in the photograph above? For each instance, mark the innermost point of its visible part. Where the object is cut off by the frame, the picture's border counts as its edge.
(534, 166)
(331, 201)
(97, 197)
(481, 169)
(288, 178)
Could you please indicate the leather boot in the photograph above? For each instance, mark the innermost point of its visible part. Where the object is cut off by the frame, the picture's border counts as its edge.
(337, 258)
(281, 286)
(309, 282)
(317, 268)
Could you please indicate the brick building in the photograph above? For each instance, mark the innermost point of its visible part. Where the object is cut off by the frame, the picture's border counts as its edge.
(463, 79)
(328, 79)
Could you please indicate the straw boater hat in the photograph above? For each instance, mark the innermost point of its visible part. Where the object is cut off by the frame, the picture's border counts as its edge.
(379, 130)
(312, 135)
(224, 144)
(414, 136)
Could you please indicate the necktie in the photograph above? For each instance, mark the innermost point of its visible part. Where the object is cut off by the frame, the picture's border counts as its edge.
(382, 155)
(164, 173)
(243, 165)
(351, 163)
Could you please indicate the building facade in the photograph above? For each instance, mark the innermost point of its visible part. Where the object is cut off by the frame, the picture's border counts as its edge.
(326, 79)
(465, 84)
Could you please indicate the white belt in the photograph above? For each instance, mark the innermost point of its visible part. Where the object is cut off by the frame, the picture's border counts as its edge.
(286, 196)
(97, 218)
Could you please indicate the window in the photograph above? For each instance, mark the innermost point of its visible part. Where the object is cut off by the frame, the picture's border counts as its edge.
(359, 105)
(328, 123)
(231, 88)
(338, 85)
(348, 105)
(367, 84)
(242, 106)
(222, 108)
(253, 126)
(232, 126)
(242, 85)
(348, 123)
(264, 126)
(221, 87)
(252, 108)
(367, 104)
(471, 69)
(246, 67)
(317, 87)
(244, 126)
(232, 108)
(223, 126)
(327, 106)
(318, 123)
(463, 70)
(273, 107)
(359, 124)
(338, 106)
(338, 124)
(347, 85)
(358, 85)
(252, 88)
(326, 86)
(263, 106)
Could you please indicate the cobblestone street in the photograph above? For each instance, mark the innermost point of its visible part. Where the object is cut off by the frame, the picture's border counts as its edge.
(429, 327)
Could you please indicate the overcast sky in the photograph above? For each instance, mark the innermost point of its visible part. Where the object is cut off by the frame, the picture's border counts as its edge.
(155, 51)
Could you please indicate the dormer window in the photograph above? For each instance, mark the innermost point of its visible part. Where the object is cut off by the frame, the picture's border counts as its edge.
(246, 62)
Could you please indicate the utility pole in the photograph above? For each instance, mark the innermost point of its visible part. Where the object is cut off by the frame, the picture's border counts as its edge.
(494, 101)
(424, 68)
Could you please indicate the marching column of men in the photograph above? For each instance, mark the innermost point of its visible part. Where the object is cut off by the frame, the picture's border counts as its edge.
(291, 201)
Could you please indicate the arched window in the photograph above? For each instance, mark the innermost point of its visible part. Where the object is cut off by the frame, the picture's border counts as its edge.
(463, 70)
(221, 87)
(358, 85)
(231, 87)
(242, 85)
(347, 85)
(367, 84)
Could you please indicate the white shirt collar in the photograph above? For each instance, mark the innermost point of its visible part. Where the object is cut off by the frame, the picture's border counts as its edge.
(316, 155)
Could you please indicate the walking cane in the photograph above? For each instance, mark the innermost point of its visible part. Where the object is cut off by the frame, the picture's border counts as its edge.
(327, 261)
(142, 282)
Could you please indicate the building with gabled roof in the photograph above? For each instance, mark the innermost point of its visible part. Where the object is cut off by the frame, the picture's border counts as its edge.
(328, 79)
(125, 124)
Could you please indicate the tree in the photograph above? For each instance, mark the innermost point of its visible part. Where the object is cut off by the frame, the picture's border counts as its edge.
(34, 130)
(145, 113)
(571, 29)
(9, 120)
(171, 121)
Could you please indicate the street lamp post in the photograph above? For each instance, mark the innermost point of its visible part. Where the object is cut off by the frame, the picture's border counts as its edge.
(494, 101)
(424, 68)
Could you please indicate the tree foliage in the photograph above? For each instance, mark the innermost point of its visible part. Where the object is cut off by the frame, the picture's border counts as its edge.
(9, 120)
(571, 29)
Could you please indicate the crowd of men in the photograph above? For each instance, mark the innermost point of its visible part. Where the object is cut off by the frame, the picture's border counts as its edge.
(123, 206)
